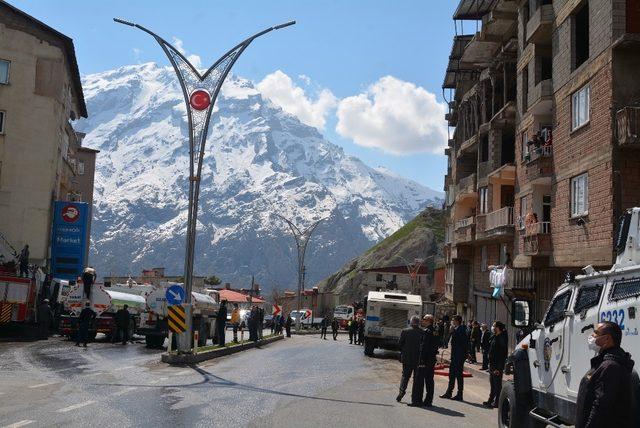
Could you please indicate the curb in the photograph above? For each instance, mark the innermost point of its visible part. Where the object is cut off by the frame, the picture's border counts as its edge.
(183, 359)
(314, 332)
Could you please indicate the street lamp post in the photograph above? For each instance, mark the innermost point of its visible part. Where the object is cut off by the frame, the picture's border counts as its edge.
(302, 239)
(200, 93)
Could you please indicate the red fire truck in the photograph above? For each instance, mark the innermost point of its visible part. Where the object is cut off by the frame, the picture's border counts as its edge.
(18, 299)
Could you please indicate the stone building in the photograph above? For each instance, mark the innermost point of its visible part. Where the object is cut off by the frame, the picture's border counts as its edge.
(40, 153)
(567, 159)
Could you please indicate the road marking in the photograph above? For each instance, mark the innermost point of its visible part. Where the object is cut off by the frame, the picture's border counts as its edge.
(40, 385)
(20, 424)
(122, 368)
(75, 406)
(124, 391)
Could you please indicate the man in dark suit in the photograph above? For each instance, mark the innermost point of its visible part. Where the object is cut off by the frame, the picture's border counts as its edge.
(424, 374)
(410, 339)
(485, 341)
(497, 358)
(459, 350)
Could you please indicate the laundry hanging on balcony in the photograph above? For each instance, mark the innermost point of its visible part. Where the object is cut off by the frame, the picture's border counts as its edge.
(500, 277)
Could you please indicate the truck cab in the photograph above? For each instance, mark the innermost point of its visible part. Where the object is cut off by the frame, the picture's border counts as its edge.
(549, 363)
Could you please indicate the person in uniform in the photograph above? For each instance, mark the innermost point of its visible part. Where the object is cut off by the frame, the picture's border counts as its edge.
(497, 358)
(426, 362)
(410, 339)
(334, 328)
(459, 351)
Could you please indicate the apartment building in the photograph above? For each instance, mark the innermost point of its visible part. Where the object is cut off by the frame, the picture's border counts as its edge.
(41, 156)
(565, 164)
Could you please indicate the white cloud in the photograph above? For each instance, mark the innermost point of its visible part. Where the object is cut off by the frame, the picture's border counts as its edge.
(282, 91)
(136, 54)
(304, 78)
(193, 59)
(394, 116)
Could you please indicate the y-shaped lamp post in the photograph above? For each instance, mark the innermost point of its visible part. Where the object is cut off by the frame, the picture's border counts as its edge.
(200, 93)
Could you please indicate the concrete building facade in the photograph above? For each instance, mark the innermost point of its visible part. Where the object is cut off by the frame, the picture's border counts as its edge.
(40, 94)
(571, 144)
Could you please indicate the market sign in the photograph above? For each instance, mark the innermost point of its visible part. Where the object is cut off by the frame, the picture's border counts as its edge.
(69, 239)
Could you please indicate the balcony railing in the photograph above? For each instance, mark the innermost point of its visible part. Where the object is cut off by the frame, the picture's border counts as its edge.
(628, 126)
(466, 185)
(499, 218)
(465, 222)
(540, 152)
(464, 235)
(539, 228)
(532, 278)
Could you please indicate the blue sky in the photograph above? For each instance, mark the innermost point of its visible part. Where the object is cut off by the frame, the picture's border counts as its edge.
(343, 49)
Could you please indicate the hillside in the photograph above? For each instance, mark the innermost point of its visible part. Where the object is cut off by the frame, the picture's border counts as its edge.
(422, 237)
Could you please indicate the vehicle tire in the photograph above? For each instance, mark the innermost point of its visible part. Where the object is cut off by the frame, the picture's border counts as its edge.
(511, 414)
(154, 341)
(369, 346)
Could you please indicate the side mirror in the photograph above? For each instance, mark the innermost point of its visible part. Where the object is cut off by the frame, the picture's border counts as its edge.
(521, 313)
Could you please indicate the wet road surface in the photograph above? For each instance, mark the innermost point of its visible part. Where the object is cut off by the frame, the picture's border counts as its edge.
(302, 380)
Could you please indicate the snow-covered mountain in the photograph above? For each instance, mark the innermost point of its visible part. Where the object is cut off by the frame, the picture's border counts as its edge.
(259, 161)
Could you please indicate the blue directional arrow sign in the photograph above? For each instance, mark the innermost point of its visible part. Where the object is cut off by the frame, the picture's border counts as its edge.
(175, 295)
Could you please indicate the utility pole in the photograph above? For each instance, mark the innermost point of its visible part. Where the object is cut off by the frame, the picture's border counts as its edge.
(302, 239)
(200, 93)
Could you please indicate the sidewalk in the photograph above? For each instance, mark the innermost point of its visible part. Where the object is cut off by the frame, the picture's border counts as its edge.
(444, 356)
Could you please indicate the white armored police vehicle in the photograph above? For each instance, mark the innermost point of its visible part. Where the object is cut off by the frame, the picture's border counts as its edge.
(387, 313)
(549, 363)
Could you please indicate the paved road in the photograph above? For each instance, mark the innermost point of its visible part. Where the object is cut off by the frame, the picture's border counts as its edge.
(298, 381)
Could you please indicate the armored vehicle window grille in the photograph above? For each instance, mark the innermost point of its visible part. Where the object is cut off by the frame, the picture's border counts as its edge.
(394, 318)
(588, 297)
(625, 288)
(557, 308)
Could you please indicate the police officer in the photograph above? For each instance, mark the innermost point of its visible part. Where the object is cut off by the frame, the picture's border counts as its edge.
(428, 352)
(410, 339)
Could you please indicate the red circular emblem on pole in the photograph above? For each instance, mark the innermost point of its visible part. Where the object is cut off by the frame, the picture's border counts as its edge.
(200, 99)
(70, 213)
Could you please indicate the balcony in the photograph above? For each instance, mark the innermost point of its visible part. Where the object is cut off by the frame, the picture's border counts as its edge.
(537, 239)
(538, 168)
(466, 188)
(540, 25)
(540, 98)
(465, 222)
(532, 278)
(499, 222)
(465, 231)
(457, 282)
(628, 126)
(468, 145)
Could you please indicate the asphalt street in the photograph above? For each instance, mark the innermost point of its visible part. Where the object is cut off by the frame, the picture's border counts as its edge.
(298, 381)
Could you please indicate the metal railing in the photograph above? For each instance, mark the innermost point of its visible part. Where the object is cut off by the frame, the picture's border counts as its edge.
(628, 125)
(539, 228)
(540, 152)
(499, 218)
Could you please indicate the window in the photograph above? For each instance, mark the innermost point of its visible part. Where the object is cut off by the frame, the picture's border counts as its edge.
(557, 308)
(524, 208)
(625, 288)
(525, 88)
(581, 36)
(546, 68)
(4, 71)
(484, 200)
(379, 277)
(484, 148)
(483, 257)
(580, 107)
(579, 196)
(525, 147)
(2, 114)
(546, 208)
(80, 167)
(588, 297)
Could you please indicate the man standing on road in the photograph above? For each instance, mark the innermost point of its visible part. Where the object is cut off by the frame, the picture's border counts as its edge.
(235, 321)
(323, 328)
(426, 363)
(410, 339)
(287, 324)
(485, 341)
(334, 328)
(476, 337)
(361, 331)
(497, 358)
(84, 321)
(44, 319)
(353, 331)
(221, 322)
(459, 351)
(604, 393)
(122, 323)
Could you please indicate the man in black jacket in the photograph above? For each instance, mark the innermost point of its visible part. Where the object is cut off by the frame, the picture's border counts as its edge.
(459, 351)
(426, 363)
(122, 323)
(44, 319)
(334, 328)
(497, 358)
(84, 321)
(485, 341)
(410, 339)
(604, 394)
